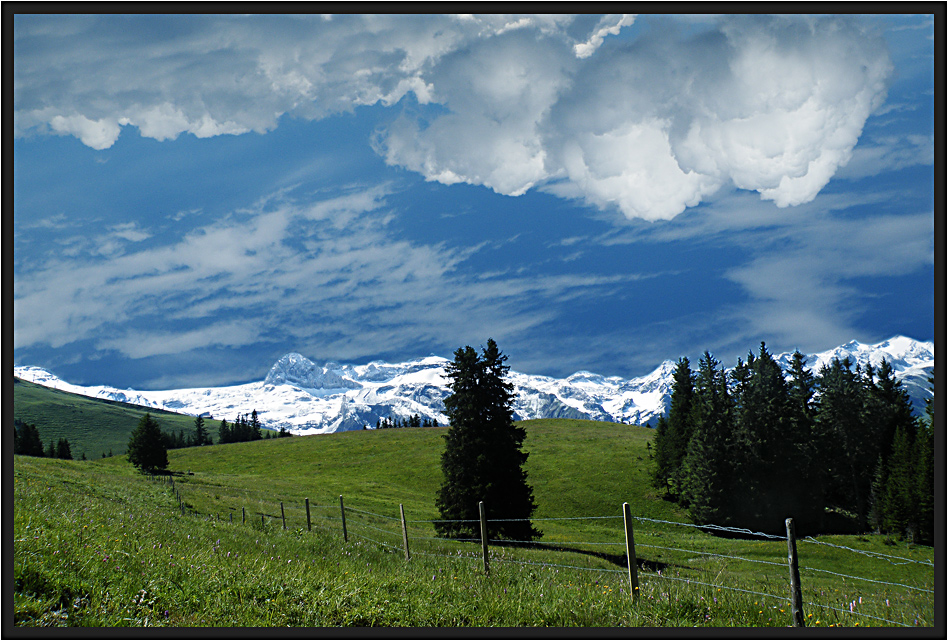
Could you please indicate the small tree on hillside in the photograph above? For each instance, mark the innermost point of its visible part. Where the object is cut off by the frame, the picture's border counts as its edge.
(201, 436)
(255, 433)
(63, 449)
(146, 448)
(483, 459)
(224, 434)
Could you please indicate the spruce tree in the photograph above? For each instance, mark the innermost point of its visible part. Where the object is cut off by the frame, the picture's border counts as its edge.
(764, 456)
(890, 407)
(808, 497)
(63, 450)
(708, 481)
(34, 443)
(146, 447)
(900, 497)
(483, 457)
(224, 432)
(662, 455)
(925, 471)
(254, 427)
(846, 474)
(27, 439)
(672, 445)
(200, 437)
(877, 497)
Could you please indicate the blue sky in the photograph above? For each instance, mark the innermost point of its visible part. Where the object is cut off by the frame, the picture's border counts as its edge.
(195, 196)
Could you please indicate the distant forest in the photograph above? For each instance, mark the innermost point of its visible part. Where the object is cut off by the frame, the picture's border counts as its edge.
(412, 421)
(27, 441)
(840, 451)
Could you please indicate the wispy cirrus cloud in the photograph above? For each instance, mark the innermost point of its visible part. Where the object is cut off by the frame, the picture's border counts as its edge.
(326, 276)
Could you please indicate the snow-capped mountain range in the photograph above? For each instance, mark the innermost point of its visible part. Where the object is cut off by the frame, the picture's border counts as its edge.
(307, 398)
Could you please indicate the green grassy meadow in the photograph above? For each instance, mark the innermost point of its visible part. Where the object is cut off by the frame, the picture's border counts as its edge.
(93, 426)
(98, 544)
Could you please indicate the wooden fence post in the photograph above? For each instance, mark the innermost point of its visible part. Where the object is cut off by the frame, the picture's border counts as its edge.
(243, 515)
(630, 553)
(796, 592)
(282, 515)
(483, 513)
(401, 509)
(309, 524)
(342, 510)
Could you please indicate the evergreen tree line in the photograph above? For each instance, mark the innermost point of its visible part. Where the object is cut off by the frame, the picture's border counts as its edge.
(412, 421)
(27, 441)
(148, 446)
(196, 438)
(839, 451)
(247, 429)
(241, 430)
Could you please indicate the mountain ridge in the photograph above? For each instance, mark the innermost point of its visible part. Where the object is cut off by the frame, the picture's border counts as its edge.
(306, 398)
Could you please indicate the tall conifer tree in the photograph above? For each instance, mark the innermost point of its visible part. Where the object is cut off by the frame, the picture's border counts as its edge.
(708, 480)
(764, 456)
(483, 459)
(671, 441)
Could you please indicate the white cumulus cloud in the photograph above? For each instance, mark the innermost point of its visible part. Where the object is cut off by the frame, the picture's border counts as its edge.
(650, 124)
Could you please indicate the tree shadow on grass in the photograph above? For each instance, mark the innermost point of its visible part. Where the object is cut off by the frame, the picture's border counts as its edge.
(619, 560)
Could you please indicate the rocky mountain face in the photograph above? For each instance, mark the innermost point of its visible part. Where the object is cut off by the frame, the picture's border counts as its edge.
(306, 398)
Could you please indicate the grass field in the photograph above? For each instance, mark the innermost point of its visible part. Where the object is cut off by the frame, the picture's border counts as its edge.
(93, 426)
(98, 544)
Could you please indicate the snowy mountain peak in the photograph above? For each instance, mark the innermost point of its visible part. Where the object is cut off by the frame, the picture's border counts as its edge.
(306, 398)
(297, 370)
(899, 351)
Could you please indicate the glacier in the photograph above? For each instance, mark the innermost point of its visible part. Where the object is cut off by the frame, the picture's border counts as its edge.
(304, 397)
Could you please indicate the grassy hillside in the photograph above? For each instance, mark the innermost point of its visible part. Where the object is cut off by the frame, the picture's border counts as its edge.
(93, 426)
(574, 467)
(98, 544)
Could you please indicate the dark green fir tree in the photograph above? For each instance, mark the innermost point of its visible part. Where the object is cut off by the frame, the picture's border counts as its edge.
(483, 457)
(146, 448)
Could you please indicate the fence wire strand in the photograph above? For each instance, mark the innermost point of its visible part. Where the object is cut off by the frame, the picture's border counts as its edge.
(862, 614)
(711, 526)
(502, 541)
(713, 585)
(862, 578)
(387, 545)
(879, 555)
(381, 516)
(723, 556)
(377, 529)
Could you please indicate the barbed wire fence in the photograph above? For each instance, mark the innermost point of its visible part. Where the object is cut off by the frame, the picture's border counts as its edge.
(392, 533)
